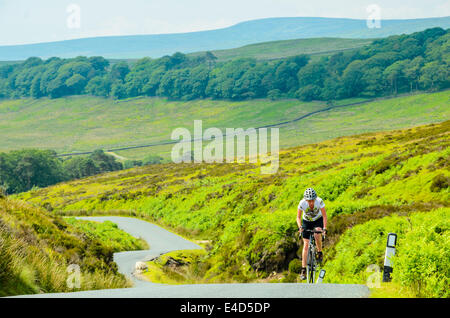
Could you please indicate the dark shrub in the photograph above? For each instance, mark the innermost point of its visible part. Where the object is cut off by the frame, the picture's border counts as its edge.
(295, 266)
(439, 182)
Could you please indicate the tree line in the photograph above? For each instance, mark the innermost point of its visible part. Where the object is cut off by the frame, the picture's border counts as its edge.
(22, 170)
(402, 63)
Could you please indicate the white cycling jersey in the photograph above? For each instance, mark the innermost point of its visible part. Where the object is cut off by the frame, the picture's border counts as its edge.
(314, 214)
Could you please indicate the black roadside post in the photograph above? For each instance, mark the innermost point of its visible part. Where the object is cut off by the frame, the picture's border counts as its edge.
(390, 252)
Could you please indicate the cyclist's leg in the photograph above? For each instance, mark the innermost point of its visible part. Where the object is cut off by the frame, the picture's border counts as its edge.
(304, 271)
(318, 238)
(306, 226)
(318, 226)
(305, 252)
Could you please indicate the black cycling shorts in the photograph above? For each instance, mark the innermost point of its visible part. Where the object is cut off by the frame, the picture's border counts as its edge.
(311, 225)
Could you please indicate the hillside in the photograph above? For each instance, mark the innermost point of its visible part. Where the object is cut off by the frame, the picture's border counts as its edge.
(77, 124)
(270, 50)
(37, 249)
(271, 29)
(252, 216)
(421, 264)
(282, 49)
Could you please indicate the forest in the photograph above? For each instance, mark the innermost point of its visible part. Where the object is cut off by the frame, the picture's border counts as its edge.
(388, 66)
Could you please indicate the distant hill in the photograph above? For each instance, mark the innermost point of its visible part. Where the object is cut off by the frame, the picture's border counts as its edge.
(263, 30)
(286, 48)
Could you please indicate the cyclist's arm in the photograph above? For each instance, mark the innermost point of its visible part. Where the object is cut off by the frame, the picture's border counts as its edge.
(325, 219)
(299, 218)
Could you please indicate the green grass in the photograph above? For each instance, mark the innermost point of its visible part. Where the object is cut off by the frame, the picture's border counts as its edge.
(421, 264)
(86, 123)
(178, 267)
(281, 49)
(36, 249)
(391, 290)
(252, 216)
(110, 235)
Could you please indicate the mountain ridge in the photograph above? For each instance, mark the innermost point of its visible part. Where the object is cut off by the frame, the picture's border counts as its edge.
(244, 33)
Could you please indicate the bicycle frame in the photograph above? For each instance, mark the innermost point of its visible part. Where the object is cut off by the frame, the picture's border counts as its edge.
(311, 263)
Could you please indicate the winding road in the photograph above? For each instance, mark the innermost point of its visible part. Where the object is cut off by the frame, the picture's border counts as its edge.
(161, 242)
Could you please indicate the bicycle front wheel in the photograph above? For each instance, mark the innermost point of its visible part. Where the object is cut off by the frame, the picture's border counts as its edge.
(311, 267)
(313, 274)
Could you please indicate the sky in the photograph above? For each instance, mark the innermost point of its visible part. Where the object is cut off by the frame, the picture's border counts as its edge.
(31, 21)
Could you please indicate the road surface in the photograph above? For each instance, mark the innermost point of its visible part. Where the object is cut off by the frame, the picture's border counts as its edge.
(162, 241)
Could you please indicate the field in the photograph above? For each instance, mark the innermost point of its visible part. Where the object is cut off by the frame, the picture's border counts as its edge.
(281, 49)
(86, 123)
(273, 49)
(252, 216)
(315, 47)
(77, 124)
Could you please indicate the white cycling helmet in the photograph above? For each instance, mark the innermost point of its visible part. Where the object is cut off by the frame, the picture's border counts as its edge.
(310, 194)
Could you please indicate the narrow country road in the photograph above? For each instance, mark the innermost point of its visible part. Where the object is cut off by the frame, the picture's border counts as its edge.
(162, 241)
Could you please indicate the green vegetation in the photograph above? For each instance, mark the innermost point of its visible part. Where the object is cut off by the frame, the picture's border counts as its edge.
(36, 249)
(109, 234)
(97, 162)
(79, 124)
(148, 160)
(252, 216)
(179, 267)
(421, 264)
(287, 48)
(22, 170)
(387, 66)
(391, 290)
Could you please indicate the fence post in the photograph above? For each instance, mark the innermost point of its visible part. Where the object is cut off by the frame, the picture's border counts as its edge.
(390, 252)
(321, 276)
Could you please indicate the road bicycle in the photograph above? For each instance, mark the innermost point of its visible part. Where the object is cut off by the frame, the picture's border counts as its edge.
(311, 260)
